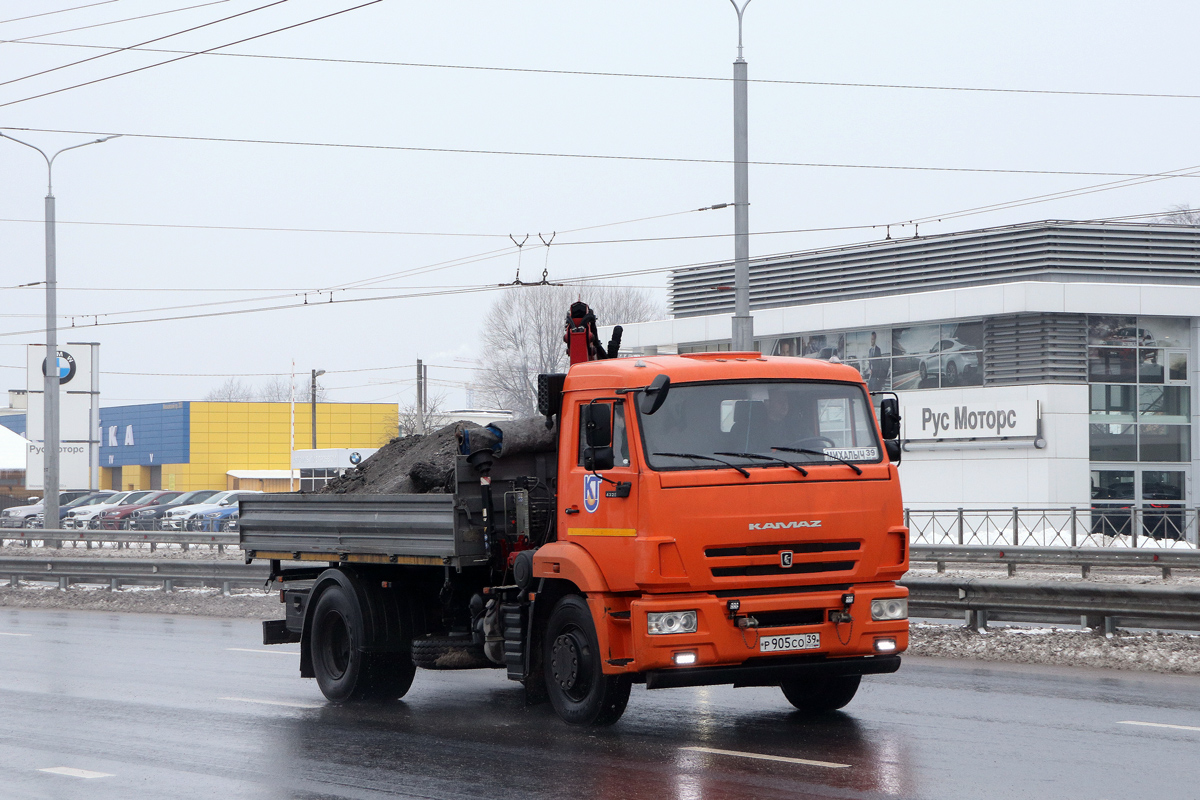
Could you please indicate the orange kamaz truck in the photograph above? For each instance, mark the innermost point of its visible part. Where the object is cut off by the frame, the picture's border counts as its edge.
(711, 518)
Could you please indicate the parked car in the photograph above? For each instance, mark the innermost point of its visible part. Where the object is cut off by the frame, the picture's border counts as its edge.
(195, 521)
(121, 517)
(88, 517)
(26, 516)
(91, 499)
(148, 518)
(220, 521)
(174, 519)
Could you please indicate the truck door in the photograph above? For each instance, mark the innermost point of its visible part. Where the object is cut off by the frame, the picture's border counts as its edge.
(600, 507)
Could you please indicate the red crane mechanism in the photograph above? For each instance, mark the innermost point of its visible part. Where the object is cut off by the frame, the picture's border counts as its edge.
(583, 341)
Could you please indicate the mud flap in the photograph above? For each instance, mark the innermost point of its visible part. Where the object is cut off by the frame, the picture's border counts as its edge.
(276, 631)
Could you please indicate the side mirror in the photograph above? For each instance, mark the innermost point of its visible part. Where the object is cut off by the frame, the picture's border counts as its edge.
(597, 459)
(597, 425)
(889, 418)
(655, 394)
(893, 450)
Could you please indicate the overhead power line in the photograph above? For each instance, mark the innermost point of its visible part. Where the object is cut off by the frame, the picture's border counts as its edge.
(123, 49)
(592, 156)
(59, 11)
(28, 39)
(650, 76)
(190, 55)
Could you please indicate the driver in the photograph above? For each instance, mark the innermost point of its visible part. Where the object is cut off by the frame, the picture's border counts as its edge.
(776, 426)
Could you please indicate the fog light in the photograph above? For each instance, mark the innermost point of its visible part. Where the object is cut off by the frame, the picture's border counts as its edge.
(885, 645)
(687, 659)
(889, 608)
(658, 623)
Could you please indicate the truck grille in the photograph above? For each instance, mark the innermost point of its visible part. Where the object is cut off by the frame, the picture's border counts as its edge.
(733, 560)
(775, 549)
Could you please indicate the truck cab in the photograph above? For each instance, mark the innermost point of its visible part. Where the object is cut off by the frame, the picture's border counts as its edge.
(747, 530)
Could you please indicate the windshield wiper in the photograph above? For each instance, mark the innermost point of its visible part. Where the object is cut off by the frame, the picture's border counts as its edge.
(791, 464)
(706, 458)
(852, 466)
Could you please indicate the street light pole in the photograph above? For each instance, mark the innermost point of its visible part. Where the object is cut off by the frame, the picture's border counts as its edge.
(743, 323)
(312, 396)
(50, 435)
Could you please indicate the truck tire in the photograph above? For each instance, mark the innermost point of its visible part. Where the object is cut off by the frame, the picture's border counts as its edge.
(342, 670)
(823, 694)
(579, 690)
(448, 652)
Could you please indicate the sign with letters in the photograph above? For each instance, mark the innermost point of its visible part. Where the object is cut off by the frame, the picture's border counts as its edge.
(971, 420)
(76, 407)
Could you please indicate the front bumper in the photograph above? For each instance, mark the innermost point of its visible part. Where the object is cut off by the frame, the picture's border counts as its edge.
(772, 671)
(720, 643)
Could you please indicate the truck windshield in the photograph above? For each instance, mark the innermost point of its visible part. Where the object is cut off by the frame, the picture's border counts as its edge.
(722, 419)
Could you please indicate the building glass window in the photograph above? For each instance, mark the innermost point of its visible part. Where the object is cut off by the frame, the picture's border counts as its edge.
(1112, 442)
(1177, 370)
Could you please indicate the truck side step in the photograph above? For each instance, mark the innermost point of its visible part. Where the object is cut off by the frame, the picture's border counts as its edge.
(513, 620)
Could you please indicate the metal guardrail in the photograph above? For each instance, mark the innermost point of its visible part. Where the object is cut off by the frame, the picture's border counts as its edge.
(1082, 557)
(55, 537)
(1101, 525)
(120, 571)
(1077, 602)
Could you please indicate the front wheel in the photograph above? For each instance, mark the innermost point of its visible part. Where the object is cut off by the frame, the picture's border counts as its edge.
(579, 690)
(343, 671)
(822, 694)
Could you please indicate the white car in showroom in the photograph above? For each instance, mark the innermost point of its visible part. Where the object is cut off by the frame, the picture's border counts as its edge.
(949, 358)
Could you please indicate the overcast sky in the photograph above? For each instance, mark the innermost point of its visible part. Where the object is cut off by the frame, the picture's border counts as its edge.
(159, 183)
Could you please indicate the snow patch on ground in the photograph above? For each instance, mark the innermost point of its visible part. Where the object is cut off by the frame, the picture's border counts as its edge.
(1147, 651)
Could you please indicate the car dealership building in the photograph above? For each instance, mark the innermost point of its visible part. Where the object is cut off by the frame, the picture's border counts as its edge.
(1042, 365)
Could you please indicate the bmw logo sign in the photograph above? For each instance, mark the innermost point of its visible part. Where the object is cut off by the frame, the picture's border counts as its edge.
(66, 367)
(355, 457)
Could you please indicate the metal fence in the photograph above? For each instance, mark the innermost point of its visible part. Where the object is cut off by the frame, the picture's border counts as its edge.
(1097, 526)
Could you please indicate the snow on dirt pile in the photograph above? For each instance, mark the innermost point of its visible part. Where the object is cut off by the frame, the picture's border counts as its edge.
(406, 465)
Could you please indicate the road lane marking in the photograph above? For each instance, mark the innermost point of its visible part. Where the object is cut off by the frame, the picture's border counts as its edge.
(762, 757)
(75, 773)
(261, 650)
(15, 634)
(1159, 725)
(271, 702)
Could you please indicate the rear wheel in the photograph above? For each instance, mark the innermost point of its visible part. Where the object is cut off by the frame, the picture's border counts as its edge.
(579, 690)
(823, 694)
(343, 671)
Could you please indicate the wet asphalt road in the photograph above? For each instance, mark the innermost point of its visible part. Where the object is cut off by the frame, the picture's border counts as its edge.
(184, 707)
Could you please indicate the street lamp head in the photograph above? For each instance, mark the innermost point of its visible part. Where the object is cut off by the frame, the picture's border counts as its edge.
(318, 373)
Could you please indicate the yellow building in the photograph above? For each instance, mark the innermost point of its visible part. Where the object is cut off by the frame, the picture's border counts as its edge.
(195, 445)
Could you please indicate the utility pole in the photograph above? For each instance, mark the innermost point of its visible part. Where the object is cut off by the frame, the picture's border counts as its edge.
(743, 323)
(50, 435)
(420, 397)
(312, 396)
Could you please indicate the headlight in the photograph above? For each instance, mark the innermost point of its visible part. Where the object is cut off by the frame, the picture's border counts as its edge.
(671, 622)
(893, 608)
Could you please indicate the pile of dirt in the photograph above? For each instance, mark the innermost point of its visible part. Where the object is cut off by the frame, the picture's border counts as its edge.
(406, 465)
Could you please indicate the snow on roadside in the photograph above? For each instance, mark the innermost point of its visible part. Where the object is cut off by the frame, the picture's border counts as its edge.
(1146, 651)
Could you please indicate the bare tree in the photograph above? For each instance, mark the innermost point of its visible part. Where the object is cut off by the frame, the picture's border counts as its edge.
(233, 390)
(523, 336)
(1181, 214)
(276, 390)
(435, 416)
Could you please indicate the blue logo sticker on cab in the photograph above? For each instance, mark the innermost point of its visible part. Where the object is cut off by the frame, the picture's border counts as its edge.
(591, 492)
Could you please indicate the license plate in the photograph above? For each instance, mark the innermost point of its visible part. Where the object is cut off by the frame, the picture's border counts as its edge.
(798, 641)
